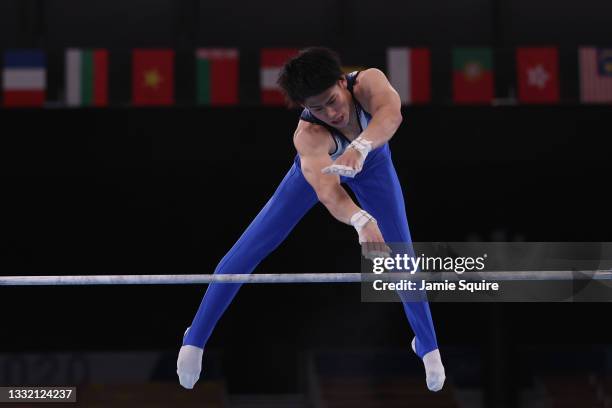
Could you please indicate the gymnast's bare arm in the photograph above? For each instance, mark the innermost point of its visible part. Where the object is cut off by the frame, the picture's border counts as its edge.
(313, 143)
(378, 97)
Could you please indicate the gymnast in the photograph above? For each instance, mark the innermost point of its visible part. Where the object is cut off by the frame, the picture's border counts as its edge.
(341, 138)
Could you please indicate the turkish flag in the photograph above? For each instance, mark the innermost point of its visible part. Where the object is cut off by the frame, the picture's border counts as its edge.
(538, 75)
(152, 77)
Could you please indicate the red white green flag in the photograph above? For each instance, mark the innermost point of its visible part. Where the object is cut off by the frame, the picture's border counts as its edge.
(217, 76)
(472, 75)
(409, 71)
(272, 60)
(86, 77)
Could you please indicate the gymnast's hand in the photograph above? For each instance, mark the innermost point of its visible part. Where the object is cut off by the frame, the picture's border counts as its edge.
(351, 161)
(372, 242)
(189, 365)
(348, 164)
(371, 239)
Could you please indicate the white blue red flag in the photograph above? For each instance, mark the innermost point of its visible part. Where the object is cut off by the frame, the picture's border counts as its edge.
(24, 78)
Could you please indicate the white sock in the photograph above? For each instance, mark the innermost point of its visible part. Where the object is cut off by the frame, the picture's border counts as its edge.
(434, 370)
(189, 365)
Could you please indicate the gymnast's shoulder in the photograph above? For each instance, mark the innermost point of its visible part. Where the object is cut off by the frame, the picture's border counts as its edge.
(372, 89)
(311, 138)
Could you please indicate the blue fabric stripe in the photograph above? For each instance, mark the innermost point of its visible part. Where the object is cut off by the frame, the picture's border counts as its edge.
(24, 59)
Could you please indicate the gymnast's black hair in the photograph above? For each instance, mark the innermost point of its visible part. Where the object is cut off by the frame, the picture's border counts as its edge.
(309, 73)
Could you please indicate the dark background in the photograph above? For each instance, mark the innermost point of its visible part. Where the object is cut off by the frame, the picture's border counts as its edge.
(169, 190)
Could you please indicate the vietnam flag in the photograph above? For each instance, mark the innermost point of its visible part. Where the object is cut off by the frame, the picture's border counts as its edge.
(24, 78)
(86, 77)
(409, 71)
(538, 75)
(472, 75)
(217, 76)
(152, 77)
(272, 60)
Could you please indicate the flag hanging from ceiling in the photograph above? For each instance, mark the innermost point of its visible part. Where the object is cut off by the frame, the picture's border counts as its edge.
(272, 60)
(217, 76)
(24, 78)
(86, 77)
(595, 75)
(538, 75)
(472, 75)
(152, 77)
(409, 71)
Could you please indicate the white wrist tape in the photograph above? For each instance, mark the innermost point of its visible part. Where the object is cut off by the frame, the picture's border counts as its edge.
(362, 145)
(360, 219)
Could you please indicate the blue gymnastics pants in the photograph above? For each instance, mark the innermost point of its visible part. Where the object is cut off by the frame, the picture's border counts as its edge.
(378, 191)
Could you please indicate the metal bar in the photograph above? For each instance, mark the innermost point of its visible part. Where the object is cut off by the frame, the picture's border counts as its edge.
(185, 279)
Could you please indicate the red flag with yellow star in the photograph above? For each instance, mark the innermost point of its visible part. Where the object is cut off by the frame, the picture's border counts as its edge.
(152, 77)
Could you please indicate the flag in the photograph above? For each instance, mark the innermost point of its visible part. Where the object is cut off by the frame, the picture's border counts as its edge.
(538, 75)
(595, 74)
(217, 76)
(472, 75)
(152, 77)
(272, 60)
(24, 78)
(86, 77)
(409, 71)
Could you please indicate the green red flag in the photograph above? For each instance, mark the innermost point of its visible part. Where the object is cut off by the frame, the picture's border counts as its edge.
(472, 75)
(217, 76)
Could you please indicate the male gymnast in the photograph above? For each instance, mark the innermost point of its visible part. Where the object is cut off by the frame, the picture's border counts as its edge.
(341, 138)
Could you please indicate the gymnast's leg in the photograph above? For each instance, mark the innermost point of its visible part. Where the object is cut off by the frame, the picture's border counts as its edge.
(291, 200)
(379, 192)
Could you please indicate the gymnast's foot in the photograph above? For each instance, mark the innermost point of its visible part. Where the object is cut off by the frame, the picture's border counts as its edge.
(189, 365)
(434, 370)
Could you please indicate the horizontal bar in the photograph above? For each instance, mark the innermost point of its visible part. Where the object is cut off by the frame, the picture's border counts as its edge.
(63, 280)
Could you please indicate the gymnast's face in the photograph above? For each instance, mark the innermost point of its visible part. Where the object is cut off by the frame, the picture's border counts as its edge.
(331, 106)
